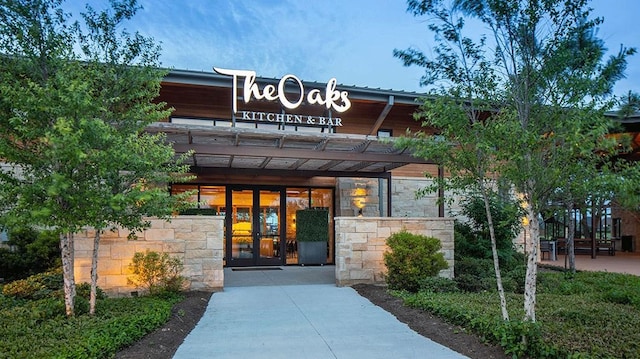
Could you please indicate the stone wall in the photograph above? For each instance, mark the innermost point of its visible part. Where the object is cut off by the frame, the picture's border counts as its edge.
(360, 243)
(405, 204)
(367, 195)
(196, 240)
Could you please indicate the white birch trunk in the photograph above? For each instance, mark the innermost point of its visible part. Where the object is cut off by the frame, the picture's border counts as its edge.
(531, 243)
(67, 254)
(496, 259)
(94, 274)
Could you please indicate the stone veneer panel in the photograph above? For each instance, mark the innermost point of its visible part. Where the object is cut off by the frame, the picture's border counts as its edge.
(196, 240)
(360, 243)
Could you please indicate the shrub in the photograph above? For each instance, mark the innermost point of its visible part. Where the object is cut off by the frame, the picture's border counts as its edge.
(37, 286)
(30, 252)
(412, 258)
(84, 290)
(438, 285)
(157, 273)
(505, 214)
(474, 263)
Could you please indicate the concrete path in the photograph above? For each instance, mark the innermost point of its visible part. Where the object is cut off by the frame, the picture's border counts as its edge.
(272, 319)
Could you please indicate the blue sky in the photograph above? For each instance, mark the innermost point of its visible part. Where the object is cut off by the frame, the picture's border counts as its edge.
(351, 40)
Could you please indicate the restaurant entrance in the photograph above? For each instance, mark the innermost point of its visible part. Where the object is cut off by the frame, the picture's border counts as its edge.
(260, 220)
(254, 229)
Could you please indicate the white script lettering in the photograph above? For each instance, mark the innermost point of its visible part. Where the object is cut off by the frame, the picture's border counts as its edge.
(338, 100)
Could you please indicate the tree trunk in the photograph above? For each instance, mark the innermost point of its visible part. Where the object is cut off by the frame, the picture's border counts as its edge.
(94, 273)
(531, 244)
(571, 234)
(496, 260)
(67, 254)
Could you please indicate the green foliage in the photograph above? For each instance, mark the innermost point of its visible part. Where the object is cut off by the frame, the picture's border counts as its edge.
(30, 252)
(157, 273)
(530, 108)
(506, 216)
(313, 225)
(38, 286)
(411, 259)
(474, 264)
(438, 285)
(76, 99)
(117, 324)
(84, 290)
(48, 285)
(586, 315)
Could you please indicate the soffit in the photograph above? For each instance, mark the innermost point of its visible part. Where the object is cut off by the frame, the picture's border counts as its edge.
(330, 154)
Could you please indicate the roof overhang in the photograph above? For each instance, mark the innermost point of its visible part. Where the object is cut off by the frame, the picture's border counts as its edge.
(286, 153)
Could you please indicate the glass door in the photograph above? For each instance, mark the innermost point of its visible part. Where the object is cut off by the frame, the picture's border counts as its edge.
(269, 227)
(253, 227)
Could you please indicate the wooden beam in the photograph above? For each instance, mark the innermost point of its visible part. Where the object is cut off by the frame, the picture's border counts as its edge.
(382, 116)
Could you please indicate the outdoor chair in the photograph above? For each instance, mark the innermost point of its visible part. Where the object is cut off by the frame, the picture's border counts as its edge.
(545, 247)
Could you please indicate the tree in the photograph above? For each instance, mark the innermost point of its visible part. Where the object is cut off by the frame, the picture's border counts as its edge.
(76, 99)
(630, 105)
(458, 111)
(553, 89)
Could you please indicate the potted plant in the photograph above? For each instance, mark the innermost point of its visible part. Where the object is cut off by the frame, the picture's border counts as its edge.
(312, 234)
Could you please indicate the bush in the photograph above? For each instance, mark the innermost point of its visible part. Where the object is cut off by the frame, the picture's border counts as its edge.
(157, 273)
(438, 285)
(30, 252)
(38, 286)
(474, 263)
(84, 290)
(411, 259)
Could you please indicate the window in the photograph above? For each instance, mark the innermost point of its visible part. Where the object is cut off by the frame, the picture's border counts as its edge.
(385, 133)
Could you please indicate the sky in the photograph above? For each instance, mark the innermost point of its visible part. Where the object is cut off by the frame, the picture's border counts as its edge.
(351, 40)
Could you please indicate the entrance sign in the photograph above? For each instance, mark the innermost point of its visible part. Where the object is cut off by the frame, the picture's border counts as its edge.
(290, 119)
(331, 98)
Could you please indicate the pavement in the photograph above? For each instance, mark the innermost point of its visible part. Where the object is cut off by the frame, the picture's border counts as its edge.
(621, 262)
(298, 312)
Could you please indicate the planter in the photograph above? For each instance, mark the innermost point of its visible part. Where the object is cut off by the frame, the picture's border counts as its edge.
(312, 234)
(312, 253)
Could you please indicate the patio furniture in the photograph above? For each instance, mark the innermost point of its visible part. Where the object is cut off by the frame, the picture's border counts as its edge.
(548, 247)
(607, 245)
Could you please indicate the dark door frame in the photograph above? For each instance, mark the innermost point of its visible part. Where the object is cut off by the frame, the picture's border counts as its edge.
(256, 259)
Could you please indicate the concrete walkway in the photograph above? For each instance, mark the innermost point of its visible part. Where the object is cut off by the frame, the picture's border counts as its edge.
(270, 314)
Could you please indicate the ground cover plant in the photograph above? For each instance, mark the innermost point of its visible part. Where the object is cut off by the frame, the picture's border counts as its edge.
(586, 315)
(33, 311)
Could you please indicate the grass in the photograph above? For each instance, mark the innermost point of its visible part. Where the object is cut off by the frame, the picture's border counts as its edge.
(39, 328)
(587, 315)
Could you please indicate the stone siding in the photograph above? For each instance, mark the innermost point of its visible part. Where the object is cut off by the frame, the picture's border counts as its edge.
(196, 240)
(405, 204)
(360, 244)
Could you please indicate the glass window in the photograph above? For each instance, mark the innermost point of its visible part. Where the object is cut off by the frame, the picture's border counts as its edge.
(212, 197)
(182, 188)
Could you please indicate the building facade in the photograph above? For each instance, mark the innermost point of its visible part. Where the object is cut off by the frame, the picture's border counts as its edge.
(262, 150)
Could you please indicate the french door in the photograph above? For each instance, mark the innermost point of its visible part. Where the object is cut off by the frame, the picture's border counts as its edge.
(254, 227)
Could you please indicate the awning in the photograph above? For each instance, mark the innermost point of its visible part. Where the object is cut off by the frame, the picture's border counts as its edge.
(285, 152)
